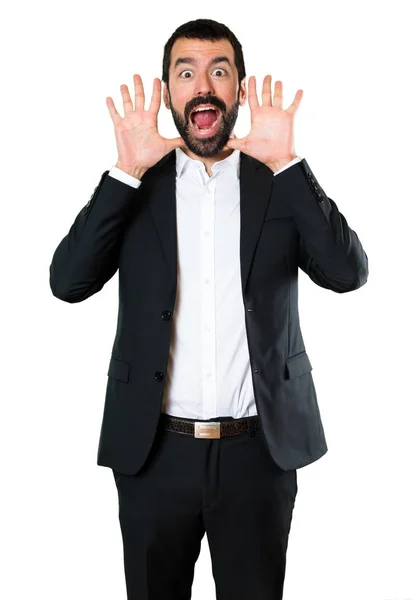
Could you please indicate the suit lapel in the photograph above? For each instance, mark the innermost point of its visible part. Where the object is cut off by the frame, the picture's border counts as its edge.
(255, 190)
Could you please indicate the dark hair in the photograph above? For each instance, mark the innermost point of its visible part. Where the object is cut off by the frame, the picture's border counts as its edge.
(203, 29)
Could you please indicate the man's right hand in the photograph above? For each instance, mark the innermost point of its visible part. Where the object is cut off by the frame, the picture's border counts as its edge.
(139, 144)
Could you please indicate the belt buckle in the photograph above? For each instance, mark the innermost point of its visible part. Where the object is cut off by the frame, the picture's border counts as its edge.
(207, 430)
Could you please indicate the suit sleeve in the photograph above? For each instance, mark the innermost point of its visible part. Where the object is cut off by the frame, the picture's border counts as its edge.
(290, 164)
(330, 252)
(88, 256)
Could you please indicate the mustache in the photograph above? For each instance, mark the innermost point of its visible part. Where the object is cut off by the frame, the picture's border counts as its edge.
(213, 101)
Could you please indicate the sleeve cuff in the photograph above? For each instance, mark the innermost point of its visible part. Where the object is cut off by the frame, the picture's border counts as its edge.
(292, 162)
(124, 177)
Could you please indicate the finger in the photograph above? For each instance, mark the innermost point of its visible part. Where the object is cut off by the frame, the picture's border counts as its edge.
(296, 102)
(253, 101)
(139, 97)
(113, 111)
(267, 91)
(278, 97)
(155, 102)
(127, 102)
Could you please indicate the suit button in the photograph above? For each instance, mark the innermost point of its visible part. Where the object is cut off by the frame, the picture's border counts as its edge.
(158, 376)
(166, 315)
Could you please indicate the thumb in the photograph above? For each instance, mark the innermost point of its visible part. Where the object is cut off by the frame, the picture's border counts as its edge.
(234, 143)
(177, 142)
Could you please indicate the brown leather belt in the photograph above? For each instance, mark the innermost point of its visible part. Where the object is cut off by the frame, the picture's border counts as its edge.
(212, 429)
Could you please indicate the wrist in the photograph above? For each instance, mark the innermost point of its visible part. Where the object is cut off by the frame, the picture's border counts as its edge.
(276, 165)
(134, 170)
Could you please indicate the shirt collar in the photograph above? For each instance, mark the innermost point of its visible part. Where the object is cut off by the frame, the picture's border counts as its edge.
(183, 161)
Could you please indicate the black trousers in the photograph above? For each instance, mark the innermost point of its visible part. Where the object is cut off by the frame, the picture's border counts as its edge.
(228, 487)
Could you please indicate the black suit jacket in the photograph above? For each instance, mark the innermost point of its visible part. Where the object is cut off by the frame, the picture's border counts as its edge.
(287, 222)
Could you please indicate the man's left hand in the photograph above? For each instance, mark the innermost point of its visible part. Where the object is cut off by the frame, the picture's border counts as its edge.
(271, 136)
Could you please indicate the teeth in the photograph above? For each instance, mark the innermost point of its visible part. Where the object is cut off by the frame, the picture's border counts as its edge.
(204, 108)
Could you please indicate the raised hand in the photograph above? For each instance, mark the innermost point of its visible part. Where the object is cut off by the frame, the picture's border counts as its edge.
(271, 136)
(139, 144)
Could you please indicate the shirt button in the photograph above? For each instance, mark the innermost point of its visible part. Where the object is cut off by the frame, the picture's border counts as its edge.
(207, 280)
(207, 233)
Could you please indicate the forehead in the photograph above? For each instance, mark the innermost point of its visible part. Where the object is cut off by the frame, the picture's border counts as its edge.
(201, 50)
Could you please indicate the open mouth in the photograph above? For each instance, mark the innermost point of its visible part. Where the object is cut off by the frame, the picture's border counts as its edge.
(205, 122)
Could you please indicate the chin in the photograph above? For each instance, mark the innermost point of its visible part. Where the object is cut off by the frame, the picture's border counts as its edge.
(206, 147)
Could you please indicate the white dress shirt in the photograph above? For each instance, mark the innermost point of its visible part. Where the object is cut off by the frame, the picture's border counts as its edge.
(209, 372)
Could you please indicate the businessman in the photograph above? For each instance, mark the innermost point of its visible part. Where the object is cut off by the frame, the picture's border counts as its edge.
(210, 404)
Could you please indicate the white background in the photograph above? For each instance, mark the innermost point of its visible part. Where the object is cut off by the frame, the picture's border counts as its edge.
(352, 527)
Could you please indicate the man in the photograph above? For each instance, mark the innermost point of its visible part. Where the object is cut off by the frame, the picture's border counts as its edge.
(210, 406)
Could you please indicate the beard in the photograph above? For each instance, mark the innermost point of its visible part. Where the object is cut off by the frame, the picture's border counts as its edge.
(206, 147)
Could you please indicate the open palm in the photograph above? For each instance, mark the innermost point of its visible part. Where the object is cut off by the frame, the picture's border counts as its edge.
(138, 140)
(271, 135)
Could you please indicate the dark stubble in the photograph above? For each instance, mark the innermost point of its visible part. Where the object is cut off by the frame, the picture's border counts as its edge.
(208, 146)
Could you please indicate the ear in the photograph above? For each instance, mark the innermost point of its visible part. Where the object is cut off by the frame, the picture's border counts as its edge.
(243, 93)
(166, 96)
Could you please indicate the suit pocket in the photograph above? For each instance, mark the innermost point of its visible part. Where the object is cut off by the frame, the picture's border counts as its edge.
(297, 365)
(118, 369)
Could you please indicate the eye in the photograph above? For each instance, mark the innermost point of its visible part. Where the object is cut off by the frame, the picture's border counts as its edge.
(188, 71)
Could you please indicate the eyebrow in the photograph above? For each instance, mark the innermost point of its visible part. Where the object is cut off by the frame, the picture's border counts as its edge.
(192, 61)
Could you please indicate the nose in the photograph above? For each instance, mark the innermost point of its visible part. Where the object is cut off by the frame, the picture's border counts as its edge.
(204, 86)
